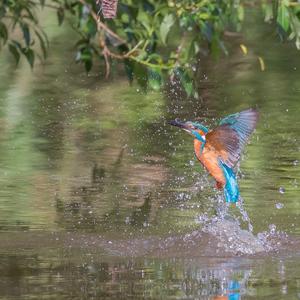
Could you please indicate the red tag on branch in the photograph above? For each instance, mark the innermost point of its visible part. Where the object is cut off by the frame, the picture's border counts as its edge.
(108, 7)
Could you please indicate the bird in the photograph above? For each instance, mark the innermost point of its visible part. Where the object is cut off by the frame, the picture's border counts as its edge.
(219, 149)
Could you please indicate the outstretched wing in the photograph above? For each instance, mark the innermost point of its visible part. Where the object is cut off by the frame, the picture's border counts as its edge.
(229, 138)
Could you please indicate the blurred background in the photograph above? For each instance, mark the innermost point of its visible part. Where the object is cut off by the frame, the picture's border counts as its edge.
(99, 197)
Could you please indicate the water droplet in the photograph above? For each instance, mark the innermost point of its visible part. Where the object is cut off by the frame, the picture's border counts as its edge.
(281, 190)
(272, 228)
(279, 205)
(296, 162)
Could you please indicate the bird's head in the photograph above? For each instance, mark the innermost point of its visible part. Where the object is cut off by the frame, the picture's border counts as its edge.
(194, 128)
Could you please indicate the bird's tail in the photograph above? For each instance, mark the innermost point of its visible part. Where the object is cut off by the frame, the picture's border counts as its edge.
(231, 188)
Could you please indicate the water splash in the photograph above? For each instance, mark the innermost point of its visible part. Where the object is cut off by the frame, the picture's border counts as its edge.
(231, 237)
(279, 205)
(245, 217)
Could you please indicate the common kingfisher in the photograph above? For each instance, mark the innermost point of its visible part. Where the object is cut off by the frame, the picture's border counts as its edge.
(219, 150)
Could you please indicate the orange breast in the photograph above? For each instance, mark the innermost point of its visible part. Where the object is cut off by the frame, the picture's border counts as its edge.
(209, 159)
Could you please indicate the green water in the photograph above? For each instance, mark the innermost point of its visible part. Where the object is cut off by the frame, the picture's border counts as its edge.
(101, 199)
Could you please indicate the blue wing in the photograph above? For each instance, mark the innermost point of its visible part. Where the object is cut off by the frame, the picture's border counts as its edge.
(229, 138)
(243, 123)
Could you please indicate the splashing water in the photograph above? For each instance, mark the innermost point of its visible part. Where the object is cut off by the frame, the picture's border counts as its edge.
(245, 217)
(226, 227)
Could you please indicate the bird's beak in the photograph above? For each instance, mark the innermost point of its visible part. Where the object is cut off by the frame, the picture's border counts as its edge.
(180, 124)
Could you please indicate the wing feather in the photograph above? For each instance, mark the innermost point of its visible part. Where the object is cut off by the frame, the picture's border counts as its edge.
(230, 137)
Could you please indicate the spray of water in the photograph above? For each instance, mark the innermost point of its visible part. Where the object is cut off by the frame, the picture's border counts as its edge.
(244, 214)
(231, 237)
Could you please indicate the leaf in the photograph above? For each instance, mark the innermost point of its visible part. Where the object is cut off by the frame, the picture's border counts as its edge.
(142, 54)
(31, 14)
(165, 27)
(196, 47)
(240, 12)
(14, 51)
(207, 31)
(223, 47)
(85, 55)
(60, 15)
(188, 87)
(26, 33)
(185, 80)
(154, 79)
(91, 27)
(3, 32)
(88, 64)
(268, 11)
(125, 18)
(244, 49)
(29, 54)
(261, 63)
(283, 16)
(17, 44)
(42, 43)
(145, 20)
(129, 65)
(295, 27)
(204, 16)
(298, 43)
(141, 75)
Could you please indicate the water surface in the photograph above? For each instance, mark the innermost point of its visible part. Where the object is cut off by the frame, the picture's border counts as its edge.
(101, 199)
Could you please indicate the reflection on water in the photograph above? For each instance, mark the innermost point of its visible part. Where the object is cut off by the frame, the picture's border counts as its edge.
(100, 199)
(147, 278)
(89, 275)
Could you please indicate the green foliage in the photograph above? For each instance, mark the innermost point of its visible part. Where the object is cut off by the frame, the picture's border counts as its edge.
(19, 29)
(165, 27)
(155, 39)
(139, 36)
(195, 27)
(283, 15)
(287, 16)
